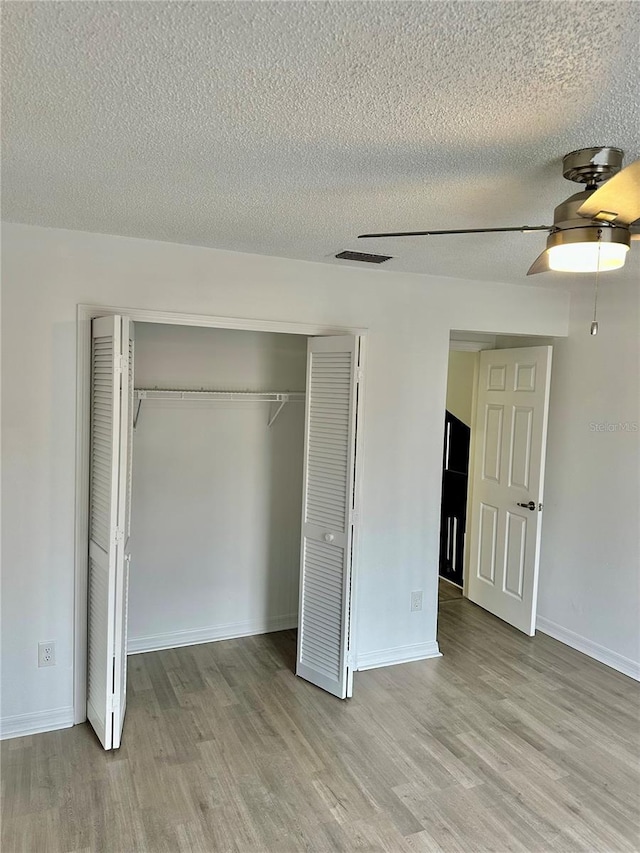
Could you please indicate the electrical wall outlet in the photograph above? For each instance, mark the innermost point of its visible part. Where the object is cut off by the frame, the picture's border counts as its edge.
(416, 600)
(47, 654)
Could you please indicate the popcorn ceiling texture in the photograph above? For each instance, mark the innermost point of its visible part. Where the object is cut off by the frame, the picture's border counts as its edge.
(288, 128)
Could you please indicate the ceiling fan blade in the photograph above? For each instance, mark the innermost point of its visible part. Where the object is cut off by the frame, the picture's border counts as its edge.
(617, 201)
(522, 228)
(541, 264)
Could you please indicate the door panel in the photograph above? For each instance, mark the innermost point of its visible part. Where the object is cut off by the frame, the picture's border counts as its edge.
(327, 527)
(520, 455)
(514, 559)
(511, 417)
(109, 454)
(492, 443)
(487, 543)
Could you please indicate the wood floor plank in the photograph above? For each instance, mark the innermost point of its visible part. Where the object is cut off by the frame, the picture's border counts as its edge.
(506, 743)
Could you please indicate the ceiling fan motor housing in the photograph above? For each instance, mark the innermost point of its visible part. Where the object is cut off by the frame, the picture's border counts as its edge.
(569, 227)
(594, 233)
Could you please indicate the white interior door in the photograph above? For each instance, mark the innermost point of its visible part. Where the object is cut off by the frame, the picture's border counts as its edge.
(109, 522)
(508, 476)
(333, 375)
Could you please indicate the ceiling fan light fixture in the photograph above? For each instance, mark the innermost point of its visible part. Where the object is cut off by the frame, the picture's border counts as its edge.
(588, 249)
(587, 257)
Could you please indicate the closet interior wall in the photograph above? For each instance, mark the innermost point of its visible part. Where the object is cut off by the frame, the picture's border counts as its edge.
(217, 495)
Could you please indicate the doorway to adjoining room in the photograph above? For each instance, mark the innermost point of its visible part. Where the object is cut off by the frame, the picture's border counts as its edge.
(494, 443)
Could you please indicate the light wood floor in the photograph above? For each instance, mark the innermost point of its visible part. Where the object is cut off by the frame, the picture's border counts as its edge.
(448, 592)
(504, 744)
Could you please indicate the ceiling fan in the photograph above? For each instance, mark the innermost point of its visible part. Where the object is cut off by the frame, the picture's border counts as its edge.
(592, 229)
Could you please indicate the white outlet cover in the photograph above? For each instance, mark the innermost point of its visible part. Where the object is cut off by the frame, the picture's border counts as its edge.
(47, 653)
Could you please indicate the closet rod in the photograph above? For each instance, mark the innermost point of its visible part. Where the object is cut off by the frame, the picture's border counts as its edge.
(281, 397)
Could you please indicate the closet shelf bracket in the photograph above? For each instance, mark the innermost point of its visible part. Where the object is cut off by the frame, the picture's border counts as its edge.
(282, 404)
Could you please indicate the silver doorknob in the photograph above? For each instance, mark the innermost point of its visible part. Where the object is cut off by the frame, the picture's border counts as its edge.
(530, 505)
(329, 537)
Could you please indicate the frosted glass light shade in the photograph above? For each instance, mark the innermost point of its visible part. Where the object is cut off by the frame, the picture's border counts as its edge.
(587, 257)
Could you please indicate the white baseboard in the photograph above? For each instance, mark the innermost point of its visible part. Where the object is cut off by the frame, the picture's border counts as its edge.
(622, 664)
(32, 724)
(452, 583)
(211, 634)
(399, 654)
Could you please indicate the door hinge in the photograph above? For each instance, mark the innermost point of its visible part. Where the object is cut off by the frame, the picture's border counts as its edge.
(355, 516)
(351, 659)
(120, 363)
(359, 374)
(119, 534)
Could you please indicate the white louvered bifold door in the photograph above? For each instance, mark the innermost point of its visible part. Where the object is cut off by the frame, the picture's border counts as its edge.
(110, 460)
(328, 513)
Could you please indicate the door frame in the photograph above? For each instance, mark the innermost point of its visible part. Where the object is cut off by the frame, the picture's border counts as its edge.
(85, 314)
(476, 347)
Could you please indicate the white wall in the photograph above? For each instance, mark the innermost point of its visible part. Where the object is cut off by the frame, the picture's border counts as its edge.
(191, 357)
(460, 381)
(590, 562)
(47, 272)
(217, 496)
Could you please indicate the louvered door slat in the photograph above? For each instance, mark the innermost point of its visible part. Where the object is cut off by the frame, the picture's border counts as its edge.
(325, 590)
(101, 491)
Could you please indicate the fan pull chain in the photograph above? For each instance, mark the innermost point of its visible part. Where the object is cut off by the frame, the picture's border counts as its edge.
(594, 322)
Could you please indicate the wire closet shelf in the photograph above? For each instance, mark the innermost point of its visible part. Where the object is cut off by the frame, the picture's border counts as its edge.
(281, 398)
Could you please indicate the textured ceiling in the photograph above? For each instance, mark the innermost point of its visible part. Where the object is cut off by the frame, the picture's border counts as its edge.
(289, 128)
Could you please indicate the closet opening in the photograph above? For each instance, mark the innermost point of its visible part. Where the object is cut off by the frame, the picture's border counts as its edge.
(217, 484)
(218, 494)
